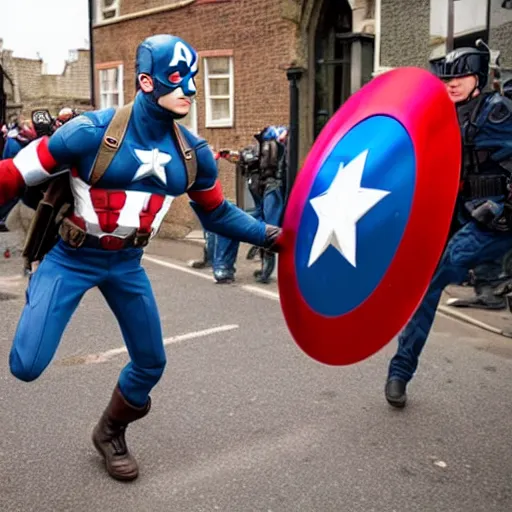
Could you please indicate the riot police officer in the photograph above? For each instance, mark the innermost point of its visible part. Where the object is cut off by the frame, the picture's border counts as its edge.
(224, 250)
(264, 166)
(484, 209)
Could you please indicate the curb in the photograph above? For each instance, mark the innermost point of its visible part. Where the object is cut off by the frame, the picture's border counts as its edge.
(193, 241)
(472, 321)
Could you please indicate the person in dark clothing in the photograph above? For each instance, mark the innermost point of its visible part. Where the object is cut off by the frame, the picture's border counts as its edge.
(484, 209)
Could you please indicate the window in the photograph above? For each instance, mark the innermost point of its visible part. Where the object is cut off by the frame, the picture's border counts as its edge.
(190, 121)
(219, 91)
(107, 9)
(111, 87)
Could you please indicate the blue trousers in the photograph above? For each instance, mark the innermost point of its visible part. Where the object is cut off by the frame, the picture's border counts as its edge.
(469, 247)
(53, 294)
(6, 209)
(268, 209)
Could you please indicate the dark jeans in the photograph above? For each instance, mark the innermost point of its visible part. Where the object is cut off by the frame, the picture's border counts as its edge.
(6, 209)
(468, 248)
(55, 290)
(269, 209)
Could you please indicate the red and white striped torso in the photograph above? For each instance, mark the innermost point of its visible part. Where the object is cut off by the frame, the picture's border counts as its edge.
(102, 212)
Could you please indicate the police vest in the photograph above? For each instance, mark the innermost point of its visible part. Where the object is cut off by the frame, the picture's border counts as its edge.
(487, 152)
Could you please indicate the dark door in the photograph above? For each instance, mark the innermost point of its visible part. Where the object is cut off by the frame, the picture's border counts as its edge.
(332, 60)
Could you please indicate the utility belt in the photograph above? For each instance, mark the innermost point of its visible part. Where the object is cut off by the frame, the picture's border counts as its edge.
(477, 186)
(267, 173)
(76, 237)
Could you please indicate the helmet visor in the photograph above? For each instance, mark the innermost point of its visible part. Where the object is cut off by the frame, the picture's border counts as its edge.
(462, 65)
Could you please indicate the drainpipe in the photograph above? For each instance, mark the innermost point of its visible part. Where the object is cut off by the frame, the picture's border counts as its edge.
(293, 75)
(449, 36)
(91, 53)
(376, 50)
(488, 23)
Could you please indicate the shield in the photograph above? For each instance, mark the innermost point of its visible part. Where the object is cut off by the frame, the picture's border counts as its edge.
(368, 217)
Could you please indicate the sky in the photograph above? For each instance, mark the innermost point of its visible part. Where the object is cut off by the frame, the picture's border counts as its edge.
(48, 27)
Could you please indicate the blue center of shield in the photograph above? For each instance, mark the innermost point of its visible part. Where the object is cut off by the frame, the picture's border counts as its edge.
(333, 280)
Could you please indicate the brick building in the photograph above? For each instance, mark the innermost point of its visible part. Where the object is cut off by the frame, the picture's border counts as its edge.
(245, 47)
(28, 86)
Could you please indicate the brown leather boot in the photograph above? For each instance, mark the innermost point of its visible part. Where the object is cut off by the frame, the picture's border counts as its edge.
(108, 436)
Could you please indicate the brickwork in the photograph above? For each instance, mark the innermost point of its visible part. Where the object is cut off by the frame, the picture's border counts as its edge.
(34, 89)
(132, 6)
(259, 38)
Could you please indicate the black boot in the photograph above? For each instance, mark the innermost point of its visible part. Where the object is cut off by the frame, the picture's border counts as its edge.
(267, 267)
(108, 436)
(204, 263)
(395, 392)
(252, 252)
(479, 302)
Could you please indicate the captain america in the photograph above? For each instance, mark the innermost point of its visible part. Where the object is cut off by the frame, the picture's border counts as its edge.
(112, 219)
(483, 215)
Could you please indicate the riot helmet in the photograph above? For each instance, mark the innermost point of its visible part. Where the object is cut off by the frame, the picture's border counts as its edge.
(463, 62)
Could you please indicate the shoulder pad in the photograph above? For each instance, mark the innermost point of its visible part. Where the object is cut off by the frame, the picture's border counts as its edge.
(500, 109)
(97, 118)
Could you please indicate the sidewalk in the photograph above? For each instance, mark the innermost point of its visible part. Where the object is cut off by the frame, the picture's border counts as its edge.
(12, 283)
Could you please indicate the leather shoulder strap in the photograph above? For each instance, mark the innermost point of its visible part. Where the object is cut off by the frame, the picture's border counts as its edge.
(189, 155)
(111, 142)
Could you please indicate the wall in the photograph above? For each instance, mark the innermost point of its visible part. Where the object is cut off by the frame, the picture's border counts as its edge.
(34, 89)
(260, 40)
(408, 29)
(501, 32)
(405, 33)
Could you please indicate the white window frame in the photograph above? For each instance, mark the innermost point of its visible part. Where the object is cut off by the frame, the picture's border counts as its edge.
(192, 117)
(229, 121)
(100, 10)
(120, 88)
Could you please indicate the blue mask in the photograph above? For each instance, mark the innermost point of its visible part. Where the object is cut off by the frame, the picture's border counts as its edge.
(170, 61)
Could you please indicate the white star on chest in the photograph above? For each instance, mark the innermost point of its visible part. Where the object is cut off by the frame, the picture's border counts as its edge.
(339, 209)
(153, 163)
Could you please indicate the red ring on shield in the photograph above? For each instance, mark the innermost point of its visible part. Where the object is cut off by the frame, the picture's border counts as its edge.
(419, 101)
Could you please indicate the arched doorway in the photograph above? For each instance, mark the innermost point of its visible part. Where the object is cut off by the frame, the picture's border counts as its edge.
(335, 48)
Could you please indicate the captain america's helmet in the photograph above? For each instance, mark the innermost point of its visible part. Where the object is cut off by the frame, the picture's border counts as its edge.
(170, 61)
(463, 62)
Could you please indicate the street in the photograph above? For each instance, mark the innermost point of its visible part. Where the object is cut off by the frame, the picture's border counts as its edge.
(243, 421)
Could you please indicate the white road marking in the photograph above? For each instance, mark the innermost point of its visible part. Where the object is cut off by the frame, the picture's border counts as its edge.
(260, 291)
(247, 287)
(442, 310)
(102, 357)
(181, 268)
(456, 316)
